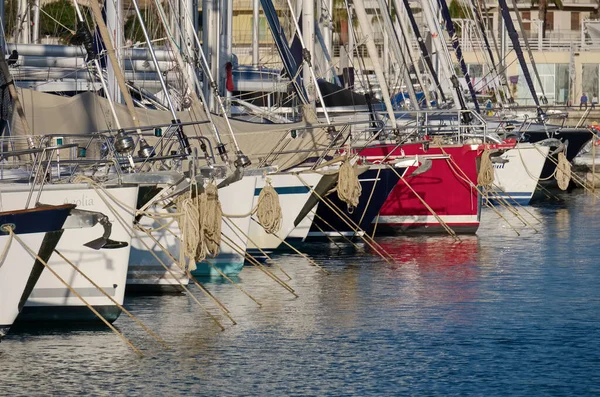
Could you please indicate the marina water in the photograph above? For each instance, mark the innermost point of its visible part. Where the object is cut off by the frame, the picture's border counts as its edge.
(493, 314)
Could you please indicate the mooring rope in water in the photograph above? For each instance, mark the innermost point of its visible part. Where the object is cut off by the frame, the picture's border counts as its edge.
(132, 232)
(314, 212)
(360, 232)
(240, 251)
(447, 228)
(72, 290)
(253, 260)
(348, 222)
(300, 253)
(485, 177)
(349, 188)
(134, 318)
(460, 173)
(575, 178)
(516, 210)
(187, 272)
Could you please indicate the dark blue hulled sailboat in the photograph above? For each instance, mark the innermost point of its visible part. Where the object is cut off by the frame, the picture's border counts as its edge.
(377, 183)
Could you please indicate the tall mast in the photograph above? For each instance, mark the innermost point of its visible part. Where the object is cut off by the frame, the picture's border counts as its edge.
(395, 43)
(255, 32)
(531, 60)
(458, 50)
(365, 26)
(514, 37)
(440, 49)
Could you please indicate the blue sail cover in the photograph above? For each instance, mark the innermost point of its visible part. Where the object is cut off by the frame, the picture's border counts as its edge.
(514, 37)
(458, 50)
(285, 51)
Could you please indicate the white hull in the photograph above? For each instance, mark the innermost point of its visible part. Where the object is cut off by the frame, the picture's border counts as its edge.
(516, 179)
(145, 273)
(293, 195)
(50, 299)
(236, 199)
(15, 270)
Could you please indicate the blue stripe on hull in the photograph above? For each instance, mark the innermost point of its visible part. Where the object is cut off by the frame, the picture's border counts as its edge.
(510, 197)
(286, 190)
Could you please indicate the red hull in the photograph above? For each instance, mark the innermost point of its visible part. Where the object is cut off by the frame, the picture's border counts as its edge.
(446, 189)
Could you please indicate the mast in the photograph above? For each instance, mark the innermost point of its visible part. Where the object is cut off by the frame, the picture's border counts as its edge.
(255, 32)
(514, 37)
(421, 42)
(480, 25)
(395, 43)
(308, 36)
(365, 26)
(440, 49)
(114, 18)
(458, 50)
(400, 25)
(242, 160)
(531, 60)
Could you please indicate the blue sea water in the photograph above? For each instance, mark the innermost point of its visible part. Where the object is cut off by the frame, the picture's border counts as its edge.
(493, 314)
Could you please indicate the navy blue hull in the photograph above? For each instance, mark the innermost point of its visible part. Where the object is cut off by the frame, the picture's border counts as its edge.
(36, 220)
(367, 209)
(577, 138)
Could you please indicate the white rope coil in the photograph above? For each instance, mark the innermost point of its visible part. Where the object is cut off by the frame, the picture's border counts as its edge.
(211, 217)
(485, 178)
(563, 172)
(189, 224)
(349, 188)
(268, 209)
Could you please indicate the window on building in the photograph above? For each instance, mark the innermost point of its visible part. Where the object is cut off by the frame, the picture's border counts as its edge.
(589, 79)
(575, 21)
(550, 21)
(562, 83)
(526, 16)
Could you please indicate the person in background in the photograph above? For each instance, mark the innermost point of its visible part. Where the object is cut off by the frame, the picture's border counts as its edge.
(583, 101)
(594, 102)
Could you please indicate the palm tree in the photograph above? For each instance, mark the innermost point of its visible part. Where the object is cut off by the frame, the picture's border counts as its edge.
(543, 11)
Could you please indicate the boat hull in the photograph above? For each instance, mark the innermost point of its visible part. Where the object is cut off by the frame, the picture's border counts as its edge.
(145, 274)
(40, 230)
(106, 267)
(236, 199)
(376, 183)
(448, 188)
(516, 178)
(293, 195)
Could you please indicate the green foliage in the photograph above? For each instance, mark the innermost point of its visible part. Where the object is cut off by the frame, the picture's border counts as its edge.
(58, 19)
(133, 30)
(457, 10)
(11, 8)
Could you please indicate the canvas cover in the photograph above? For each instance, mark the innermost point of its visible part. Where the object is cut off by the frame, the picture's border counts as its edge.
(87, 112)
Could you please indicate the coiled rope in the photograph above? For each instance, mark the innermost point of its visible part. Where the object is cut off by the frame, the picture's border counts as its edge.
(485, 178)
(268, 209)
(200, 223)
(563, 172)
(189, 224)
(211, 219)
(349, 188)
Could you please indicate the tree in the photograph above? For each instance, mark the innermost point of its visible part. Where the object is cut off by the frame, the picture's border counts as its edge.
(543, 11)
